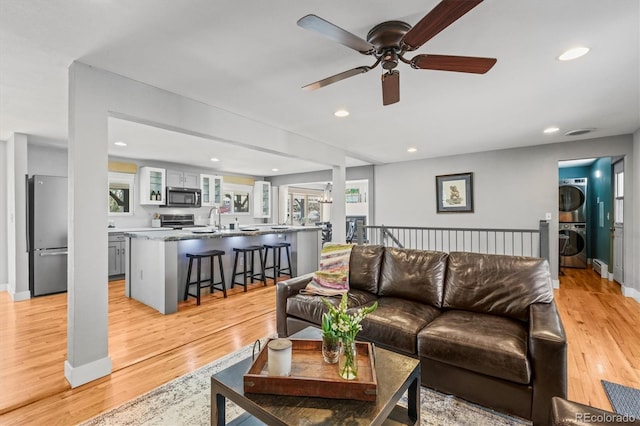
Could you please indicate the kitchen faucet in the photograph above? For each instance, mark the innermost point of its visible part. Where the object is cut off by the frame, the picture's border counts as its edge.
(216, 208)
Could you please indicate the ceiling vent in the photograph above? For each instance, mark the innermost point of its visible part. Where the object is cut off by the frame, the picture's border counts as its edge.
(578, 132)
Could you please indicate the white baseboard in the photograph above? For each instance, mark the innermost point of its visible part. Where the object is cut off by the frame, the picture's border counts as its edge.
(631, 292)
(78, 376)
(19, 296)
(4, 287)
(555, 283)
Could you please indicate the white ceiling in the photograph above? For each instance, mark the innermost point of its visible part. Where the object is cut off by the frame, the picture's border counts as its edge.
(251, 58)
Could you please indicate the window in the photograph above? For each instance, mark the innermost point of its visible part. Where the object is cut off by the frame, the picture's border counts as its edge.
(304, 208)
(121, 194)
(235, 200)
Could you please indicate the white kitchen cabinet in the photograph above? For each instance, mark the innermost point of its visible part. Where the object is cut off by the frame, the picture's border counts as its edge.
(182, 179)
(262, 199)
(211, 187)
(152, 186)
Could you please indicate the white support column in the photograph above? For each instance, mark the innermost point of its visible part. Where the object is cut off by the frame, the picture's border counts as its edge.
(338, 207)
(87, 307)
(94, 95)
(17, 256)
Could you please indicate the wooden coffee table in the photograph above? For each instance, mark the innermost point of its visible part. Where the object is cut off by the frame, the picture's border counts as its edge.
(396, 374)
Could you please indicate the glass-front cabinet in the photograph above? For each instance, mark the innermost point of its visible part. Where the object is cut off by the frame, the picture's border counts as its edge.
(262, 199)
(211, 187)
(152, 186)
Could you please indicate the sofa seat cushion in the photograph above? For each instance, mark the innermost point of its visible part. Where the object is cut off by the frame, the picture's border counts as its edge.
(396, 323)
(310, 307)
(486, 344)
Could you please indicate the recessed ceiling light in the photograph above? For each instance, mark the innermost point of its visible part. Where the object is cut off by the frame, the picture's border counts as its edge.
(215, 159)
(551, 129)
(341, 113)
(274, 170)
(120, 143)
(412, 149)
(574, 53)
(578, 132)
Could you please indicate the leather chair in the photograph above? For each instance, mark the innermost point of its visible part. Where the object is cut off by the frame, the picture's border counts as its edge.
(569, 413)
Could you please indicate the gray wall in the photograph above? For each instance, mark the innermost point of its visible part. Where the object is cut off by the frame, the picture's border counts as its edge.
(47, 160)
(513, 188)
(3, 216)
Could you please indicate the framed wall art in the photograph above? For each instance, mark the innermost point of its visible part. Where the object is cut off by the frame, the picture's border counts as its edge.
(454, 193)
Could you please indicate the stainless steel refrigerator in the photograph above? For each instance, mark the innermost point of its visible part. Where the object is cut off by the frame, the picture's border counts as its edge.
(47, 234)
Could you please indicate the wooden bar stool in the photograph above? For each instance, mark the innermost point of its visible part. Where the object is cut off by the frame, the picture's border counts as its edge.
(209, 282)
(277, 266)
(248, 270)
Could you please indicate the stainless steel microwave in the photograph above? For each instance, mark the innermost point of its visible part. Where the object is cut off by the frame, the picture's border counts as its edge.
(183, 197)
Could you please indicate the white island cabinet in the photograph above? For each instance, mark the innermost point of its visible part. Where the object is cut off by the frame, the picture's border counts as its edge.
(157, 266)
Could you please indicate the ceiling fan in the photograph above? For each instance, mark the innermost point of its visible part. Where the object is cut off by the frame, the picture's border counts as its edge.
(389, 41)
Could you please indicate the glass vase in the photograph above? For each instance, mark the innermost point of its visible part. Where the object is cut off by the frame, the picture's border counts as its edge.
(330, 349)
(348, 360)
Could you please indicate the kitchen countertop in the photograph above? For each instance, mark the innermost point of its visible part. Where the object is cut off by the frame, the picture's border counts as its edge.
(136, 229)
(189, 234)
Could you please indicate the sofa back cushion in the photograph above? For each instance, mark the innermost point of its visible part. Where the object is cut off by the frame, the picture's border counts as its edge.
(414, 275)
(364, 267)
(496, 284)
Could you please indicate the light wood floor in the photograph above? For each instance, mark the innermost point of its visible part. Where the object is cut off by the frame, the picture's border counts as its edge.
(603, 331)
(149, 349)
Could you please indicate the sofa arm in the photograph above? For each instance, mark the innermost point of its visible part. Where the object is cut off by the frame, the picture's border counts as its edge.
(284, 290)
(548, 352)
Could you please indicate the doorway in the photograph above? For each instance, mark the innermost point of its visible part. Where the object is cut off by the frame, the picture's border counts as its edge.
(597, 220)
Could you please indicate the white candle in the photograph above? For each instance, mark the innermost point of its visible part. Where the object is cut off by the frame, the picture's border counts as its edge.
(279, 357)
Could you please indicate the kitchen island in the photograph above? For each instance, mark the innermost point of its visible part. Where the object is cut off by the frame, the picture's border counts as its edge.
(156, 268)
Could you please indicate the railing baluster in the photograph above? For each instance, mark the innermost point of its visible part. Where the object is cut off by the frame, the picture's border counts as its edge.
(457, 239)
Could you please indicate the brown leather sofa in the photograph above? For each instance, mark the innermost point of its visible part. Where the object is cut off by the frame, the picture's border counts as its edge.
(570, 413)
(485, 327)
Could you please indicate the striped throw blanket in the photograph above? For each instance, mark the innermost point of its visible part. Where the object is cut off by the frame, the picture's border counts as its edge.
(333, 276)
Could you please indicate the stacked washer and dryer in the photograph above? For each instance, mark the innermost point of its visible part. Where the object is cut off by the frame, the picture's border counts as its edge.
(572, 219)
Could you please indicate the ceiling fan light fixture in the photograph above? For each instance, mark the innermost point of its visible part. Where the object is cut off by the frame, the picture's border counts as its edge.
(551, 129)
(574, 53)
(388, 41)
(341, 113)
(412, 150)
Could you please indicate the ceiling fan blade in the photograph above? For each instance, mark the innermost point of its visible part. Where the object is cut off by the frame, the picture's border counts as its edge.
(335, 78)
(440, 17)
(335, 33)
(470, 64)
(390, 87)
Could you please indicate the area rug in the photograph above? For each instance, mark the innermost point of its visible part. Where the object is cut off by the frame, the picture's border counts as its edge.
(624, 400)
(186, 401)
